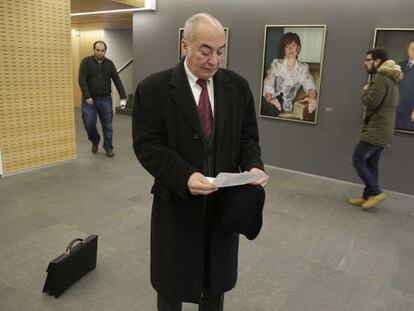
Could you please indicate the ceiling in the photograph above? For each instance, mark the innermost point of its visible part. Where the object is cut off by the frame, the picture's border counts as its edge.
(103, 21)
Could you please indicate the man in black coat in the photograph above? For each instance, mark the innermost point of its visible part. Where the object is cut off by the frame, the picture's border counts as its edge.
(189, 122)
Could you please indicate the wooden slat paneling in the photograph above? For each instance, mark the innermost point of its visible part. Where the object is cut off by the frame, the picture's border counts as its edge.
(36, 100)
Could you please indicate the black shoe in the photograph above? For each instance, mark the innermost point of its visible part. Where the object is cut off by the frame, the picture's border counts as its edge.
(109, 153)
(94, 148)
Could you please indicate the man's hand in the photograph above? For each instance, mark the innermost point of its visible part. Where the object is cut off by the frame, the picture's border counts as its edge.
(123, 103)
(198, 184)
(262, 181)
(89, 101)
(366, 86)
(412, 116)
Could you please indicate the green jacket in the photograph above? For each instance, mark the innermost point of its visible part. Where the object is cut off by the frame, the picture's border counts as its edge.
(380, 101)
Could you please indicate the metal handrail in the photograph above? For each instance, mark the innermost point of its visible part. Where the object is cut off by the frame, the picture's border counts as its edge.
(127, 63)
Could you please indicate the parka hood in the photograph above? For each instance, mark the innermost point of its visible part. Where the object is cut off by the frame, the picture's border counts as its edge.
(390, 69)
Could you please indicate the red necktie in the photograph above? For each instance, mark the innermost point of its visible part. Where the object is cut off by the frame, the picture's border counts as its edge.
(204, 109)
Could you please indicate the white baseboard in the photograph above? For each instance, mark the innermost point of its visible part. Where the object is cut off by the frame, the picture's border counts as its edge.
(335, 180)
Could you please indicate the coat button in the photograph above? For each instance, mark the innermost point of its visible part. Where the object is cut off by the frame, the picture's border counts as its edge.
(196, 136)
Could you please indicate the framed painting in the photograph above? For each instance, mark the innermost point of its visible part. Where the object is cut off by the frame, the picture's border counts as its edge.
(399, 44)
(291, 72)
(223, 61)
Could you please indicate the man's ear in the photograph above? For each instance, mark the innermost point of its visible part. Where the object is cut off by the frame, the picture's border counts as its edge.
(377, 63)
(185, 47)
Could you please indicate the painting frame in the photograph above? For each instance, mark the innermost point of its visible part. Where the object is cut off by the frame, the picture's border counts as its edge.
(180, 37)
(397, 54)
(300, 109)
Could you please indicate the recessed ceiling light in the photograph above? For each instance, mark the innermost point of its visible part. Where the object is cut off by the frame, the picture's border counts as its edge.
(150, 5)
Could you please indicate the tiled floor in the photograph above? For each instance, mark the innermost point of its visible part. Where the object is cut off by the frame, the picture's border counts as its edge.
(315, 252)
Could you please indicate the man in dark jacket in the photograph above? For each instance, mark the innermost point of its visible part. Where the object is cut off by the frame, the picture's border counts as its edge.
(189, 122)
(380, 98)
(95, 74)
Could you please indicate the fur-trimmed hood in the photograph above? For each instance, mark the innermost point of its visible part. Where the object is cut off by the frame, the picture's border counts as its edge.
(391, 70)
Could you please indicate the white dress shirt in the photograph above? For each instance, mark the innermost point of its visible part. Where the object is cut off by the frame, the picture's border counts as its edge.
(196, 88)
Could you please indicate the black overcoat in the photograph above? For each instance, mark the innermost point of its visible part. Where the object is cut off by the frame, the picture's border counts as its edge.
(168, 141)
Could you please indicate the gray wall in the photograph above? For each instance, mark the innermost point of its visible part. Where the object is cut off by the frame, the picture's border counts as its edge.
(323, 149)
(119, 43)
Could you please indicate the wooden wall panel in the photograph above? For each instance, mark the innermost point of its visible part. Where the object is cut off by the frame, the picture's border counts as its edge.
(87, 38)
(36, 100)
(75, 66)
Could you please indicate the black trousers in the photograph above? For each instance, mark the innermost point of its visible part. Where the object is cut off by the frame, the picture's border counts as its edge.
(208, 303)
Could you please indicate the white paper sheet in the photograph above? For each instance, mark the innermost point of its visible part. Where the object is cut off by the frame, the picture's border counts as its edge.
(236, 179)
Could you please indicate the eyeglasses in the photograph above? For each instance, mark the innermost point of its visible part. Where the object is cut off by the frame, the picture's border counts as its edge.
(368, 59)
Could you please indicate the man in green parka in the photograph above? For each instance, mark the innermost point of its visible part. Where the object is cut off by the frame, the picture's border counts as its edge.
(380, 98)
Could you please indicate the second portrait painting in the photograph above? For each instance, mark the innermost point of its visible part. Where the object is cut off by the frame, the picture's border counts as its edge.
(399, 44)
(291, 72)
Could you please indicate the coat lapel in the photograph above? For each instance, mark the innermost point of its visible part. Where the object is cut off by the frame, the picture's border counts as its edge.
(183, 96)
(222, 100)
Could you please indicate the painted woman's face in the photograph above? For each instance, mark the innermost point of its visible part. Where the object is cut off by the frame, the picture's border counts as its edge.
(292, 50)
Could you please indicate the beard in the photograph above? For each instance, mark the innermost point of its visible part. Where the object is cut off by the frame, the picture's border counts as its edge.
(371, 70)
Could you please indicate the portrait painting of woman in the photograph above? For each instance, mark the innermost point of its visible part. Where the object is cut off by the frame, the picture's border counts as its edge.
(291, 73)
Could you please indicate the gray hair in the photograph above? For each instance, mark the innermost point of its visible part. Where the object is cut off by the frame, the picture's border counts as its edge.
(192, 23)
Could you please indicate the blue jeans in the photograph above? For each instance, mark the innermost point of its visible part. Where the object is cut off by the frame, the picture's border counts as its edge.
(365, 160)
(101, 106)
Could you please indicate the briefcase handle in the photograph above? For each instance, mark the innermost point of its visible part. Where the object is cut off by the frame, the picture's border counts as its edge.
(68, 249)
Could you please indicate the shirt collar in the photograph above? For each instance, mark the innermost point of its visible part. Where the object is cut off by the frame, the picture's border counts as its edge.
(191, 77)
(96, 60)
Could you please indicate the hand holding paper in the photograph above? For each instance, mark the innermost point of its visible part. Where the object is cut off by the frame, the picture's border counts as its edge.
(198, 184)
(255, 176)
(262, 181)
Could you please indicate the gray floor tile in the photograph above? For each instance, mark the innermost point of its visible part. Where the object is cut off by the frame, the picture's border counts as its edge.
(402, 279)
(323, 289)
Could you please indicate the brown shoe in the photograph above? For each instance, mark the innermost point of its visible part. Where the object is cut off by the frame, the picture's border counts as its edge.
(356, 201)
(109, 153)
(373, 201)
(94, 148)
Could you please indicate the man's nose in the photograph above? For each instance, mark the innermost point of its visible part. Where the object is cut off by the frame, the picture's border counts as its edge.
(214, 59)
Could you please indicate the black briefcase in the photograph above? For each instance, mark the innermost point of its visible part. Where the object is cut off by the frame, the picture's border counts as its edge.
(66, 269)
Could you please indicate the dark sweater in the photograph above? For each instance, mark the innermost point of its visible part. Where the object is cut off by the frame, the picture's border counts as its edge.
(95, 78)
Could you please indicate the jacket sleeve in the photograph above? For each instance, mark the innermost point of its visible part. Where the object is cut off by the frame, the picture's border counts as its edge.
(376, 92)
(150, 143)
(117, 82)
(249, 145)
(83, 82)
